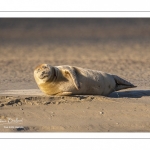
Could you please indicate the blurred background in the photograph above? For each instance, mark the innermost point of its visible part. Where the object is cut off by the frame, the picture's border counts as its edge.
(115, 45)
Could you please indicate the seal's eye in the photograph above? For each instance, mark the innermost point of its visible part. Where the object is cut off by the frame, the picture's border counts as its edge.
(44, 67)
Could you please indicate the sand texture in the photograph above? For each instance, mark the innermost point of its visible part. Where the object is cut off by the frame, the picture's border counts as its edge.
(116, 46)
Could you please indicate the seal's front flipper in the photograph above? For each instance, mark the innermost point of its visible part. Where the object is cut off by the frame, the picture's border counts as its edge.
(122, 84)
(71, 72)
(64, 93)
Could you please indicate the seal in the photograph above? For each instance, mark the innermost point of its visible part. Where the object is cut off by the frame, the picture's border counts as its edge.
(70, 80)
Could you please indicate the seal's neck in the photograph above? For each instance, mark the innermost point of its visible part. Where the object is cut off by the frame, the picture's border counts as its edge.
(55, 74)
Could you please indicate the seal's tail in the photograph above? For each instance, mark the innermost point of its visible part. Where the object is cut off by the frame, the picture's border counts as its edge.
(122, 84)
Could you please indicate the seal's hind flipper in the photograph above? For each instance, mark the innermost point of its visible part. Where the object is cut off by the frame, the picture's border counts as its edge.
(73, 76)
(122, 84)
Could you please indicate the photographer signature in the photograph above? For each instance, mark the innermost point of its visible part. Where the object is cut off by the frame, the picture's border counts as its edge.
(10, 121)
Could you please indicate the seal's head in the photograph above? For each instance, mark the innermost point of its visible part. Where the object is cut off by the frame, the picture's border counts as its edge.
(43, 73)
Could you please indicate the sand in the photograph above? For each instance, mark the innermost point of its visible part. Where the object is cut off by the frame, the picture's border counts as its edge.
(117, 46)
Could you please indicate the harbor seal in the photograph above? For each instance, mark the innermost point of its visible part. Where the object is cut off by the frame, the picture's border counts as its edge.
(70, 80)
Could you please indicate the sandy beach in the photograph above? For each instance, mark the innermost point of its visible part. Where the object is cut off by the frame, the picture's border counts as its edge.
(116, 46)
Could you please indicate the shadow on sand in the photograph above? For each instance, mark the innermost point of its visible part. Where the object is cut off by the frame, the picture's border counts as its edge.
(130, 94)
